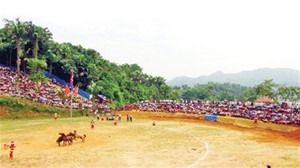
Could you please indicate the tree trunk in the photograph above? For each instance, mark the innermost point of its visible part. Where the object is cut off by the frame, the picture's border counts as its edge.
(35, 47)
(9, 62)
(18, 46)
(50, 69)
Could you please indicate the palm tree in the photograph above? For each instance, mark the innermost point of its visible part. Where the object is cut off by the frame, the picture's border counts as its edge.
(16, 30)
(37, 36)
(53, 55)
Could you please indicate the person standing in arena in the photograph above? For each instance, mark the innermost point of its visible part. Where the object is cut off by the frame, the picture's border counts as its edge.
(130, 117)
(12, 148)
(55, 116)
(92, 124)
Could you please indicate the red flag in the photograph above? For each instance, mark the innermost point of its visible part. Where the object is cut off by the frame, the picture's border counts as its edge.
(71, 78)
(75, 90)
(67, 90)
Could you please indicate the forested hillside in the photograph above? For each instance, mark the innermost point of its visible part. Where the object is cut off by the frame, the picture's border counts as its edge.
(35, 50)
(31, 49)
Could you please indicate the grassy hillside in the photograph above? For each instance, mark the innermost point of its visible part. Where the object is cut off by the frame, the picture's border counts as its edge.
(14, 108)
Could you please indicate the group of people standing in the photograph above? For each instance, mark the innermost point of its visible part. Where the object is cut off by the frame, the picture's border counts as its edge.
(12, 148)
(129, 118)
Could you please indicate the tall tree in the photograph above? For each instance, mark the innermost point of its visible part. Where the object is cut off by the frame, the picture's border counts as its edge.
(38, 38)
(266, 88)
(16, 30)
(6, 44)
(291, 93)
(53, 55)
(165, 91)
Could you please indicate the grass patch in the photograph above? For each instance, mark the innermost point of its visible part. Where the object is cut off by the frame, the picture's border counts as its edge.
(16, 108)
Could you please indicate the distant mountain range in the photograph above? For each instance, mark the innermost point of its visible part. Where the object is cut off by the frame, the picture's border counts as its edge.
(284, 76)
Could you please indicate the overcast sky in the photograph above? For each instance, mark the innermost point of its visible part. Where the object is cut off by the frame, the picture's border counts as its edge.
(172, 38)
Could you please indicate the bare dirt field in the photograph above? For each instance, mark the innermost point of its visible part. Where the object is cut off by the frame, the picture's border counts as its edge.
(177, 140)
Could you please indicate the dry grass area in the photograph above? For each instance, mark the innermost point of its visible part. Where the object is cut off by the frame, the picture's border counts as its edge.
(177, 140)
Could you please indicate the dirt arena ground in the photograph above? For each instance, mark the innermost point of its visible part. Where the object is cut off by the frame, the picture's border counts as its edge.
(177, 140)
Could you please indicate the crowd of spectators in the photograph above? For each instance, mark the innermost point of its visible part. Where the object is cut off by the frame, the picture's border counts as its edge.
(267, 112)
(50, 93)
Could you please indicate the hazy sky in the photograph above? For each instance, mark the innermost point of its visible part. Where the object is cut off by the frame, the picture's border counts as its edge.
(172, 38)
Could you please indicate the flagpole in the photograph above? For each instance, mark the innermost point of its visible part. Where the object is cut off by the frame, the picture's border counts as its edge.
(71, 112)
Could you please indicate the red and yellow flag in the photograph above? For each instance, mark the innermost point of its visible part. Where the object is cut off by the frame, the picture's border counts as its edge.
(67, 90)
(75, 90)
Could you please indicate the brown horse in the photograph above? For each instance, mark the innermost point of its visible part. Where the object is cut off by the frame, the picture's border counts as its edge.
(65, 139)
(79, 135)
(59, 140)
(72, 135)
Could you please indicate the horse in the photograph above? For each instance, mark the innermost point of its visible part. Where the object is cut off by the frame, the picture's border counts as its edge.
(65, 139)
(72, 135)
(68, 139)
(59, 140)
(80, 136)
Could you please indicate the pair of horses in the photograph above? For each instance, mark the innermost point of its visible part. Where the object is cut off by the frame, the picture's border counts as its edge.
(68, 138)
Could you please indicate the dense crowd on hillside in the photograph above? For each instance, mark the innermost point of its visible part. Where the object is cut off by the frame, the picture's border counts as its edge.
(266, 112)
(19, 85)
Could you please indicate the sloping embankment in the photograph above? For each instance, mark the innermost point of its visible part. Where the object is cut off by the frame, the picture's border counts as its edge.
(235, 123)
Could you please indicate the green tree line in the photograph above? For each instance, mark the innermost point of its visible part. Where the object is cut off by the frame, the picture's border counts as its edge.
(230, 92)
(31, 49)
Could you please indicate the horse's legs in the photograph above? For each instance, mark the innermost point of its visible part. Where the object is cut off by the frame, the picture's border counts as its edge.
(65, 143)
